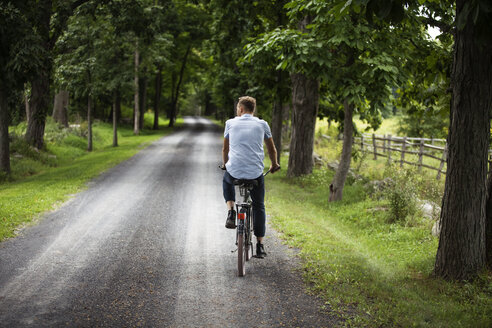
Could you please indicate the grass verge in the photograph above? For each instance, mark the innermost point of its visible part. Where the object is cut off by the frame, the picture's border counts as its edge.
(370, 272)
(41, 180)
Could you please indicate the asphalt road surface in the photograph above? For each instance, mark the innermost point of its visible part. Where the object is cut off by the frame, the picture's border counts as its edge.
(145, 245)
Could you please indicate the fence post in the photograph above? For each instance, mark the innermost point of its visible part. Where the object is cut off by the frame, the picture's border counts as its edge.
(403, 148)
(421, 154)
(389, 148)
(374, 146)
(384, 143)
(443, 160)
(362, 143)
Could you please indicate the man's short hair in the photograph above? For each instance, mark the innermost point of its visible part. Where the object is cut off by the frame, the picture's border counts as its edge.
(248, 103)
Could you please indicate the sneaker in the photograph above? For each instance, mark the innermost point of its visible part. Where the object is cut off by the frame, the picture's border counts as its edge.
(231, 220)
(260, 251)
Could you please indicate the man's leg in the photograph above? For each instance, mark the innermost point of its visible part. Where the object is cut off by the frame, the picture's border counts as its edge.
(229, 196)
(258, 198)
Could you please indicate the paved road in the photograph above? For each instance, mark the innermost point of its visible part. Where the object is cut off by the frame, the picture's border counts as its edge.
(145, 245)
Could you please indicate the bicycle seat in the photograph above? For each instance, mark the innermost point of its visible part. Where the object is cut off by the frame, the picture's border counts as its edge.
(245, 183)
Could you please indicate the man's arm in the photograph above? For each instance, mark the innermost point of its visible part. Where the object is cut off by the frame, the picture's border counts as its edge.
(225, 151)
(272, 153)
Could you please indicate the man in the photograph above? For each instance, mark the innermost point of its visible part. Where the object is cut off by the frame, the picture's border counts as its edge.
(243, 155)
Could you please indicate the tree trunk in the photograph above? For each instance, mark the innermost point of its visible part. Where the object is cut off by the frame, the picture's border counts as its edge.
(277, 118)
(60, 108)
(461, 251)
(116, 100)
(40, 90)
(118, 106)
(336, 187)
(136, 116)
(89, 123)
(157, 98)
(305, 97)
(169, 110)
(277, 126)
(26, 103)
(488, 222)
(40, 84)
(143, 100)
(174, 104)
(4, 133)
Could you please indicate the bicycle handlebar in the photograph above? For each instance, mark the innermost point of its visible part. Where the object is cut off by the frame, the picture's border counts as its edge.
(223, 168)
(270, 170)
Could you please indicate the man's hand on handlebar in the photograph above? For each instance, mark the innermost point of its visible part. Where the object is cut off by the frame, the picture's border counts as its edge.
(274, 168)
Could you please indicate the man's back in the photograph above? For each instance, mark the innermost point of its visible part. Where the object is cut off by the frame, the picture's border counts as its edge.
(246, 134)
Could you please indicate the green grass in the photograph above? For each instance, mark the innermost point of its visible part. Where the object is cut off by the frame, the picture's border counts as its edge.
(41, 181)
(370, 272)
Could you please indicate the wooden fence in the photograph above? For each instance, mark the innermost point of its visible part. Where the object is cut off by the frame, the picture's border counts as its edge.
(400, 149)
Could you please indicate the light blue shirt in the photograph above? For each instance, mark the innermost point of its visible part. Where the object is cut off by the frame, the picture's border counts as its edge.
(246, 134)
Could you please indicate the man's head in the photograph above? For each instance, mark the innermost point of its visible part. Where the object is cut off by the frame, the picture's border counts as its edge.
(246, 105)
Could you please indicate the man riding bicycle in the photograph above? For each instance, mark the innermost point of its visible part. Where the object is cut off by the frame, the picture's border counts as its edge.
(243, 155)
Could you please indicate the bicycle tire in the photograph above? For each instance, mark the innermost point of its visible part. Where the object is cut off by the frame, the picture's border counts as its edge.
(241, 255)
(248, 251)
(249, 246)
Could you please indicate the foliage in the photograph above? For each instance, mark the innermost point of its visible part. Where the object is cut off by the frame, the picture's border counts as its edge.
(19, 50)
(401, 194)
(355, 60)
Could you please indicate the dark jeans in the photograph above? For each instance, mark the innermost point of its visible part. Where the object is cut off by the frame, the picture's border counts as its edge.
(257, 196)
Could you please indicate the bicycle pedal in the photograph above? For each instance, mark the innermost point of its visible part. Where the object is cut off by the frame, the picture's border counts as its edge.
(234, 251)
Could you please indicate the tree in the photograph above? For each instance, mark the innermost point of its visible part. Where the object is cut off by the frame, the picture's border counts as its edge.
(79, 67)
(461, 253)
(160, 54)
(18, 59)
(462, 246)
(48, 19)
(134, 19)
(296, 52)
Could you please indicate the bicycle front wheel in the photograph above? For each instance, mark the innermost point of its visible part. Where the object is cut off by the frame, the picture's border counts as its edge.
(241, 255)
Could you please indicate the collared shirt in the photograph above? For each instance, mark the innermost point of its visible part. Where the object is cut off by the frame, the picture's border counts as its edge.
(246, 134)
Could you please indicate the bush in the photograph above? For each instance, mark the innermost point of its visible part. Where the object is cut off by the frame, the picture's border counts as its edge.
(54, 132)
(401, 194)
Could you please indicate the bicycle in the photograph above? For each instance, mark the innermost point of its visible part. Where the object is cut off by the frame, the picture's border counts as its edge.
(244, 222)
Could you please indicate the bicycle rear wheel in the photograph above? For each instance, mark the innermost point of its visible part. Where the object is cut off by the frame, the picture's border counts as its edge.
(249, 245)
(241, 255)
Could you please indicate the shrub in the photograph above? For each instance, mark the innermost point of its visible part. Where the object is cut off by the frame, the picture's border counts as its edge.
(54, 132)
(401, 194)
